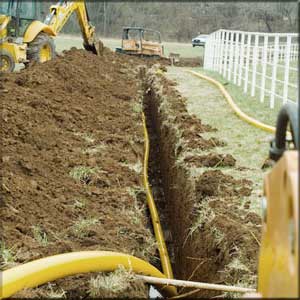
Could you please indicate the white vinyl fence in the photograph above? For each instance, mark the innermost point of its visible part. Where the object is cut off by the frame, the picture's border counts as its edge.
(263, 64)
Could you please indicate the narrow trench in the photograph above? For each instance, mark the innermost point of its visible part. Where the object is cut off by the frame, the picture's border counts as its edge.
(156, 179)
(174, 195)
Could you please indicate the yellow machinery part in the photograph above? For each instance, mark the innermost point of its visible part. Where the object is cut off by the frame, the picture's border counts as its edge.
(278, 261)
(62, 13)
(34, 29)
(4, 20)
(163, 252)
(17, 51)
(45, 53)
(54, 267)
(4, 64)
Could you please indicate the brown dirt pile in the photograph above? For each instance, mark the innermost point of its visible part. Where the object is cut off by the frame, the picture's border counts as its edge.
(70, 137)
(211, 160)
(215, 183)
(189, 126)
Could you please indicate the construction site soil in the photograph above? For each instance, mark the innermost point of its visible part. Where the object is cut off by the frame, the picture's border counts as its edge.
(72, 152)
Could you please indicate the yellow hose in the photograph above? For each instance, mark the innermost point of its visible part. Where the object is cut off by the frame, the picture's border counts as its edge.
(163, 252)
(235, 108)
(50, 268)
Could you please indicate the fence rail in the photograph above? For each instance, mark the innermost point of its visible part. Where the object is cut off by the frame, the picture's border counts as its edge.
(264, 64)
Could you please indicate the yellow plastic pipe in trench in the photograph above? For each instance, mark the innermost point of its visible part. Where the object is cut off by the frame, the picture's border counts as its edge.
(162, 248)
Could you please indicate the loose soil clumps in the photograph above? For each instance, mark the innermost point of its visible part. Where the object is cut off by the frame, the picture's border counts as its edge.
(215, 237)
(211, 160)
(71, 172)
(71, 163)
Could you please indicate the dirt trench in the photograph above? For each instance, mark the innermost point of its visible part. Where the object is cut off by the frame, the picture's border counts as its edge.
(212, 237)
(72, 177)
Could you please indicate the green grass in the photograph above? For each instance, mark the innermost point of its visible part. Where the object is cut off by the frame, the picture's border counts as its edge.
(7, 256)
(40, 236)
(82, 174)
(248, 145)
(250, 105)
(81, 227)
(111, 284)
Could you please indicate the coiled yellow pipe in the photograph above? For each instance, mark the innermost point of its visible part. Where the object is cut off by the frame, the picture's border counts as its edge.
(232, 104)
(54, 267)
(163, 252)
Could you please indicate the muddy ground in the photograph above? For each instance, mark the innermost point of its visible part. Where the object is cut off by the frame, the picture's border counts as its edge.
(71, 172)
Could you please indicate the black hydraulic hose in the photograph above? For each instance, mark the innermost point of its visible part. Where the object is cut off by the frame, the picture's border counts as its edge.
(287, 115)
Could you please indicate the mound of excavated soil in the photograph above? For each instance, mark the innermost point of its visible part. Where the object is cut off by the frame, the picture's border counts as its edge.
(211, 160)
(71, 161)
(215, 183)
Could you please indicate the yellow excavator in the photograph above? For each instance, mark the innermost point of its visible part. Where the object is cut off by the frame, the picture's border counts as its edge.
(23, 38)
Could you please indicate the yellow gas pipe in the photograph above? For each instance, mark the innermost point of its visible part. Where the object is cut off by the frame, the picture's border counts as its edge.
(50, 268)
(163, 252)
(235, 108)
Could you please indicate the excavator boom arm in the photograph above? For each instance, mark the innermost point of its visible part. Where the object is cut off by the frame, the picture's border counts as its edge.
(60, 14)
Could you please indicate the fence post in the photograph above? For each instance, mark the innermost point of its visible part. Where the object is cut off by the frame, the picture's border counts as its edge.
(230, 54)
(236, 56)
(226, 53)
(264, 68)
(221, 51)
(217, 51)
(241, 64)
(254, 65)
(274, 72)
(206, 54)
(213, 50)
(247, 63)
(292, 52)
(286, 69)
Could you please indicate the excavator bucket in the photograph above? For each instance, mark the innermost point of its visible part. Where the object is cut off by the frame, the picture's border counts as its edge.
(97, 47)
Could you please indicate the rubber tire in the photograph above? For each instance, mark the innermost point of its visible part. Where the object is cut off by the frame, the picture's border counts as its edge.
(34, 47)
(10, 58)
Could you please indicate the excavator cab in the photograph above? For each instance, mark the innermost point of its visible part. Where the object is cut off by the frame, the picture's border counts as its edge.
(22, 14)
(26, 36)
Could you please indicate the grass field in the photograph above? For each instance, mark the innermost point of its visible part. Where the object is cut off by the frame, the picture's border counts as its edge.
(250, 105)
(248, 145)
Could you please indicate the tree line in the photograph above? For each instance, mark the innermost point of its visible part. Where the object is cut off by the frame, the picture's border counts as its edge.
(181, 21)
